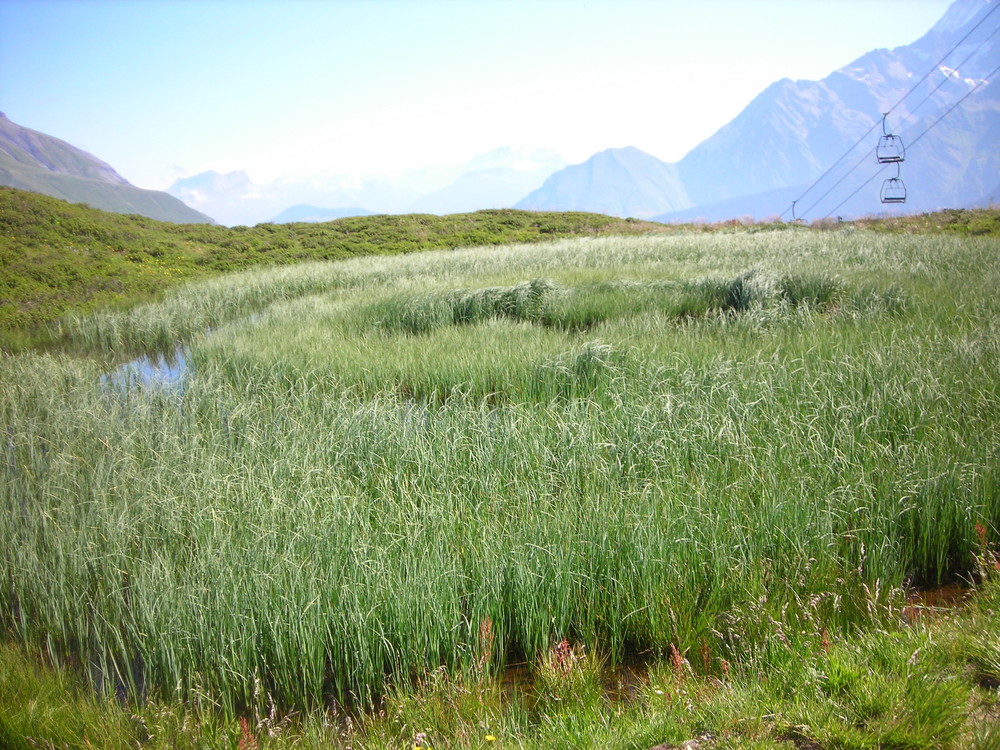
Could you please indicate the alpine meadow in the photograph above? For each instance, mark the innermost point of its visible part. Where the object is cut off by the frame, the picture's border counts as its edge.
(738, 487)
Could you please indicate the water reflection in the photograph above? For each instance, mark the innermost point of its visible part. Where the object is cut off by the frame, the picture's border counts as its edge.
(164, 370)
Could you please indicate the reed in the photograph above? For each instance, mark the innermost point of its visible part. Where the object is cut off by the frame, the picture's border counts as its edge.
(653, 448)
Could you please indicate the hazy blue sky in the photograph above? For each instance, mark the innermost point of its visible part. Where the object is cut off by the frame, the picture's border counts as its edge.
(168, 88)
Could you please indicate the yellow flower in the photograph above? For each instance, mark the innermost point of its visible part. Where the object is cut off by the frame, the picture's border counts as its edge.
(491, 738)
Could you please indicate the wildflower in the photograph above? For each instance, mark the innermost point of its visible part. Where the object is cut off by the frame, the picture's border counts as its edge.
(491, 738)
(980, 530)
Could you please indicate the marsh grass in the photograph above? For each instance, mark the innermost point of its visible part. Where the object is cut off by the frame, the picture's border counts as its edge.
(629, 444)
(186, 311)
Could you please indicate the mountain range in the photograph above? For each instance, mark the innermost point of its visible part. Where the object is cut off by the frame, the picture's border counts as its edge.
(497, 179)
(34, 161)
(940, 102)
(800, 149)
(811, 142)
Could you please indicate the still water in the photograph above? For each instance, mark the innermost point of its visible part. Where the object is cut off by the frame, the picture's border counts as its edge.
(164, 370)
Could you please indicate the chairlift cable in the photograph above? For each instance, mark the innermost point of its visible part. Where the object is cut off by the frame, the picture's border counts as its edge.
(846, 174)
(832, 167)
(901, 100)
(881, 169)
(926, 130)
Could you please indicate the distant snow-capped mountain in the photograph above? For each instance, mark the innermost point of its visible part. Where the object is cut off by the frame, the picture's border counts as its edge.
(497, 179)
(234, 198)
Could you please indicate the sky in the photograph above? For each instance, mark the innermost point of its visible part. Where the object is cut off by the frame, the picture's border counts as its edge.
(163, 89)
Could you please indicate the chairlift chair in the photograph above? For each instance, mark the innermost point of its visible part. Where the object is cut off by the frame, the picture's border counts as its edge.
(893, 189)
(890, 149)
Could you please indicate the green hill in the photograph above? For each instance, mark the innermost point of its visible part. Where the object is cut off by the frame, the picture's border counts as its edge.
(56, 256)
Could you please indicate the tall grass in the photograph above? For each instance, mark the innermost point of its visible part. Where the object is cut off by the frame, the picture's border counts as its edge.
(189, 310)
(671, 442)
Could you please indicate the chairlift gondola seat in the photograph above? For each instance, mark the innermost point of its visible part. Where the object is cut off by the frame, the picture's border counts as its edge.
(890, 150)
(893, 191)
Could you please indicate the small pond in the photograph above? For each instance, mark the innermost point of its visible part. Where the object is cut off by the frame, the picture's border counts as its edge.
(164, 369)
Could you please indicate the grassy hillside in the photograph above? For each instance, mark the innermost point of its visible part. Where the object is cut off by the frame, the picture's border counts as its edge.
(607, 492)
(975, 223)
(56, 256)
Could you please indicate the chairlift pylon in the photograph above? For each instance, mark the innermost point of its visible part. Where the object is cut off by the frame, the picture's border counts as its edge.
(890, 149)
(893, 189)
